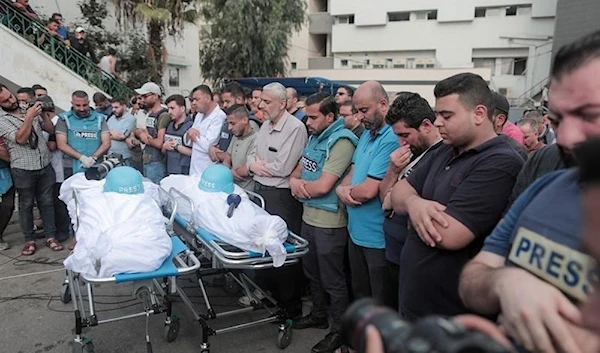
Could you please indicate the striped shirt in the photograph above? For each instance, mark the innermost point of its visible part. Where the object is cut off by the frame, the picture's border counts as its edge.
(23, 156)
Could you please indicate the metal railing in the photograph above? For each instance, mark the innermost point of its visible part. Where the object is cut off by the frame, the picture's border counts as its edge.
(35, 33)
(527, 96)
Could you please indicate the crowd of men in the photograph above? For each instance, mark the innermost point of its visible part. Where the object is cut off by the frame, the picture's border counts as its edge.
(443, 211)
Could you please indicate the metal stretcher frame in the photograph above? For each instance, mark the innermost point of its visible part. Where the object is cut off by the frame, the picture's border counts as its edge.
(152, 288)
(231, 261)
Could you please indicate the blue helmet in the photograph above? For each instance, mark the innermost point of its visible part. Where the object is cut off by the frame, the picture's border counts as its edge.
(216, 178)
(124, 180)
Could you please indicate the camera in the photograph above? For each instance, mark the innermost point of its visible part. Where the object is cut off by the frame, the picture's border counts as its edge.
(99, 170)
(428, 335)
(46, 102)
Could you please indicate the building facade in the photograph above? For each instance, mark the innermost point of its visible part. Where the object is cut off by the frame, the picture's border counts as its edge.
(415, 43)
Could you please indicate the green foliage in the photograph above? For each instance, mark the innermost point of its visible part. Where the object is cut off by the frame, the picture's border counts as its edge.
(245, 38)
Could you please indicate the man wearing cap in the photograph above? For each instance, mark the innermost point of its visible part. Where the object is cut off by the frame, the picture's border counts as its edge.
(500, 118)
(82, 44)
(153, 134)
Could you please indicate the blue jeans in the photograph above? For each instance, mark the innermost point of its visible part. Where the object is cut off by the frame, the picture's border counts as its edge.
(38, 185)
(155, 171)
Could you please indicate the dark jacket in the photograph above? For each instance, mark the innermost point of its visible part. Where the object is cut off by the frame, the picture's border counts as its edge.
(84, 48)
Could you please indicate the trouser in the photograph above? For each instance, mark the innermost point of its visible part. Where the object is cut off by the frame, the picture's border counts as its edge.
(61, 216)
(370, 274)
(286, 282)
(394, 277)
(35, 185)
(7, 207)
(155, 171)
(324, 268)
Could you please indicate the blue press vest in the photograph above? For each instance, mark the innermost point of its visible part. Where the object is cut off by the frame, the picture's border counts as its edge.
(546, 239)
(178, 163)
(314, 157)
(5, 178)
(152, 127)
(84, 134)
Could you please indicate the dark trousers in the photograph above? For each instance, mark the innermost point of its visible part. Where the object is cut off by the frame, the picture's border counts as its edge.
(370, 274)
(38, 186)
(61, 216)
(286, 282)
(7, 207)
(394, 276)
(324, 268)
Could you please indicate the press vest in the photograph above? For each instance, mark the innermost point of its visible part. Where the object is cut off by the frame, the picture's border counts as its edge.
(178, 163)
(154, 154)
(83, 135)
(313, 160)
(546, 239)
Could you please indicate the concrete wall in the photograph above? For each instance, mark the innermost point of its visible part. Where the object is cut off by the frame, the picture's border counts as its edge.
(24, 65)
(575, 19)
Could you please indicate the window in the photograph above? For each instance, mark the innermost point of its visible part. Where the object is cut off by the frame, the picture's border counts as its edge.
(484, 62)
(511, 11)
(344, 62)
(410, 63)
(399, 66)
(367, 62)
(357, 66)
(479, 12)
(398, 16)
(493, 12)
(294, 65)
(432, 15)
(351, 19)
(173, 77)
(430, 66)
(420, 66)
(524, 10)
(520, 66)
(389, 63)
(421, 15)
(378, 66)
(342, 19)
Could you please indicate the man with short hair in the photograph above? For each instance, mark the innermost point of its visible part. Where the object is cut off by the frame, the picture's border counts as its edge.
(292, 104)
(351, 118)
(62, 30)
(359, 191)
(545, 131)
(24, 96)
(344, 94)
(32, 175)
(81, 134)
(23, 6)
(254, 102)
(530, 129)
(153, 135)
(242, 144)
(411, 119)
(120, 125)
(102, 104)
(324, 163)
(500, 119)
(39, 91)
(533, 269)
(454, 198)
(206, 129)
(179, 154)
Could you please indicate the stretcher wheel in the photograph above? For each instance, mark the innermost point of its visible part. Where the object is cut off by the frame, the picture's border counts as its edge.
(284, 337)
(230, 286)
(65, 293)
(171, 330)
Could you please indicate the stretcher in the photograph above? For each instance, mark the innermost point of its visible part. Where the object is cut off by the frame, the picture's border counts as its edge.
(219, 257)
(151, 288)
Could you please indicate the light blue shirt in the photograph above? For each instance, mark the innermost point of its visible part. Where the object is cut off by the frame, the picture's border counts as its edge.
(124, 125)
(371, 159)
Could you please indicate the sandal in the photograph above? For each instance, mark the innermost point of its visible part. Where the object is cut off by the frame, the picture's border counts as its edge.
(53, 244)
(29, 248)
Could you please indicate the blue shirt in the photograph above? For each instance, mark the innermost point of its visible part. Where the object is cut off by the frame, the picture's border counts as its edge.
(300, 114)
(62, 32)
(371, 159)
(124, 125)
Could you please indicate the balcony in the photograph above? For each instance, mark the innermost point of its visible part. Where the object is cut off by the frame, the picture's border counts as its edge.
(320, 63)
(320, 23)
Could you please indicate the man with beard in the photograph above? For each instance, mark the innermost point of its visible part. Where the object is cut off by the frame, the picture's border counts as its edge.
(32, 173)
(359, 191)
(531, 269)
(454, 199)
(411, 119)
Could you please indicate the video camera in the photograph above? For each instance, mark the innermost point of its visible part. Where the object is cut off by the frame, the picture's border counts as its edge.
(46, 101)
(428, 335)
(99, 170)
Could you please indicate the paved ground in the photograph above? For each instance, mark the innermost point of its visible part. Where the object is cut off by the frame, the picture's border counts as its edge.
(35, 321)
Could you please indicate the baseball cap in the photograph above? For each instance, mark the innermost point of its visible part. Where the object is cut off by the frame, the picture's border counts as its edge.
(149, 87)
(79, 29)
(501, 102)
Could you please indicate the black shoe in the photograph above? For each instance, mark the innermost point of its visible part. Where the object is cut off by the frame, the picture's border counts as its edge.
(310, 321)
(329, 344)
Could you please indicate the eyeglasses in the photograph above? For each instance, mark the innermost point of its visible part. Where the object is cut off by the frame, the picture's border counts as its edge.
(33, 140)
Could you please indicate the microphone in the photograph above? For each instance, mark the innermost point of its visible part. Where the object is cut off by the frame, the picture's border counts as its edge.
(233, 200)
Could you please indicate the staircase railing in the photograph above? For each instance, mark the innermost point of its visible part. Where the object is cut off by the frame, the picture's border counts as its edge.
(35, 33)
(526, 97)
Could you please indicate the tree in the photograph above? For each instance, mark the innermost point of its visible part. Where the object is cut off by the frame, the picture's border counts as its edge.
(245, 38)
(160, 17)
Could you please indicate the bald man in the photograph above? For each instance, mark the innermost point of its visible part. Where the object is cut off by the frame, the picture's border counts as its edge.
(359, 191)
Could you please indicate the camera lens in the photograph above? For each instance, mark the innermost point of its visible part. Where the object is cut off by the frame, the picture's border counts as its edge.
(365, 312)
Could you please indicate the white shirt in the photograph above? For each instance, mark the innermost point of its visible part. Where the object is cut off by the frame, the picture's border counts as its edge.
(56, 157)
(210, 129)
